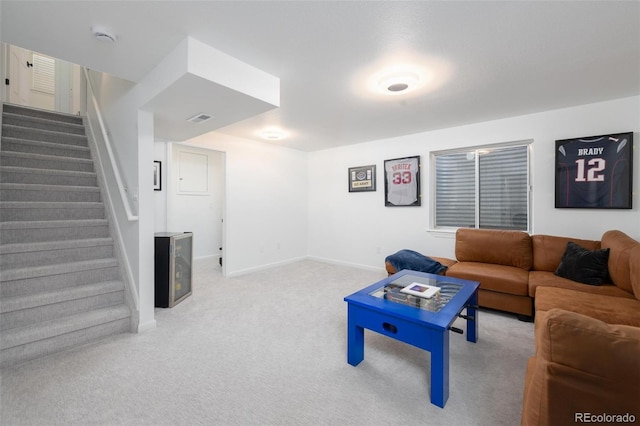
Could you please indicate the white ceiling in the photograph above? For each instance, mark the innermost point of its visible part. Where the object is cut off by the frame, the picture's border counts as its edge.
(489, 59)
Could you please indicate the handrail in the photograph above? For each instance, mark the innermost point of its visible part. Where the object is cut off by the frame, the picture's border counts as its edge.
(114, 165)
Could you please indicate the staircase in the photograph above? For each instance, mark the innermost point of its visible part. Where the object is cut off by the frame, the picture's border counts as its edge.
(60, 283)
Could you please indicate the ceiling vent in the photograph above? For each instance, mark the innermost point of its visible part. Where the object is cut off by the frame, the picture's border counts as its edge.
(200, 118)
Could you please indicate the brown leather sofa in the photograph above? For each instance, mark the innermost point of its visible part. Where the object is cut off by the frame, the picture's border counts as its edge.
(586, 367)
(512, 266)
(587, 363)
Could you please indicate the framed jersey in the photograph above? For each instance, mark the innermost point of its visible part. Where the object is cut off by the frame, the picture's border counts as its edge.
(402, 182)
(595, 172)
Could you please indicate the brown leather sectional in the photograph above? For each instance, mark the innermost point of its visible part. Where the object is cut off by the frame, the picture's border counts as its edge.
(512, 266)
(586, 367)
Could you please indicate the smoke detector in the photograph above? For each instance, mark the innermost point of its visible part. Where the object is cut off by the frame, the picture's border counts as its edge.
(102, 34)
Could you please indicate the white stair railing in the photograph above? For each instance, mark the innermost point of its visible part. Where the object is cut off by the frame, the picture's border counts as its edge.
(122, 188)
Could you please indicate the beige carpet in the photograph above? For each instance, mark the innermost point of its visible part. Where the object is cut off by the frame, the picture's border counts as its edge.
(269, 348)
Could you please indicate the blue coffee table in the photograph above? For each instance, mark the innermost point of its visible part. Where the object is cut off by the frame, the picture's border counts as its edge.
(418, 321)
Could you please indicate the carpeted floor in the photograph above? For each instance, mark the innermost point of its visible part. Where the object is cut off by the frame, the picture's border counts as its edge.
(269, 348)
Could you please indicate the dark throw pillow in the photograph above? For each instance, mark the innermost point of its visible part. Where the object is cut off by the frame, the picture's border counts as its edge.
(585, 266)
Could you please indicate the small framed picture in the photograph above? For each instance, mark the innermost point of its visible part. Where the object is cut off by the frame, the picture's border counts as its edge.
(362, 178)
(402, 182)
(421, 290)
(157, 176)
(594, 172)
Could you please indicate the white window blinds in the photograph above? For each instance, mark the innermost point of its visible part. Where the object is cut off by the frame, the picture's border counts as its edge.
(483, 188)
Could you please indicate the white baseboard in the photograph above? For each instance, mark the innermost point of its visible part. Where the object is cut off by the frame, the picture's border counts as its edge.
(350, 264)
(266, 266)
(298, 259)
(146, 326)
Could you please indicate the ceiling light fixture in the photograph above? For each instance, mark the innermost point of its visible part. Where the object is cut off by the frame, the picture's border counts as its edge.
(399, 79)
(272, 135)
(102, 34)
(399, 82)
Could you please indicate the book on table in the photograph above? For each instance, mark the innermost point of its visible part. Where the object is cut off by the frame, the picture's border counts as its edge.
(421, 290)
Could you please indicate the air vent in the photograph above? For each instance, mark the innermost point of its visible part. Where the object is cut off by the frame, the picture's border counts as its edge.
(199, 118)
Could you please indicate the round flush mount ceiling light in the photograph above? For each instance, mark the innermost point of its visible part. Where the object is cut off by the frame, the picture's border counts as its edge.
(399, 82)
(273, 134)
(103, 34)
(400, 79)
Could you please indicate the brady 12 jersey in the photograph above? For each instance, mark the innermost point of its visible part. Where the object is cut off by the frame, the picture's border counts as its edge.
(593, 172)
(402, 181)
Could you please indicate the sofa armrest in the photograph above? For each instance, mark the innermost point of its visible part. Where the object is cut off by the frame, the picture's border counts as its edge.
(620, 247)
(582, 367)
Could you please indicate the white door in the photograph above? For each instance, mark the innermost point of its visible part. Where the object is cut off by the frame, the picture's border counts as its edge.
(19, 76)
(64, 86)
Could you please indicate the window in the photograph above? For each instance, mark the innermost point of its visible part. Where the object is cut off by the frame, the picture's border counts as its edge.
(483, 187)
(44, 74)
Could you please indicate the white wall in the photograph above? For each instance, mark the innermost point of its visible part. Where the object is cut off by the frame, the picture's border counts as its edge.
(160, 153)
(131, 133)
(265, 212)
(357, 229)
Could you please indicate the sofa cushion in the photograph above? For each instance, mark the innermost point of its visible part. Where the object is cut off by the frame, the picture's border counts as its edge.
(509, 248)
(499, 278)
(620, 246)
(610, 309)
(543, 278)
(584, 266)
(563, 336)
(582, 365)
(548, 250)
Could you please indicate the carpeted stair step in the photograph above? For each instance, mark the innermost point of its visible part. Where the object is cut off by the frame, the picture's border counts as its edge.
(9, 131)
(60, 283)
(57, 269)
(41, 113)
(41, 231)
(22, 311)
(29, 175)
(102, 270)
(58, 193)
(39, 161)
(53, 124)
(14, 211)
(45, 148)
(26, 343)
(24, 255)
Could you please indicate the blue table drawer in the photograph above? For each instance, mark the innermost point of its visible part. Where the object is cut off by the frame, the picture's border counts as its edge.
(396, 328)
